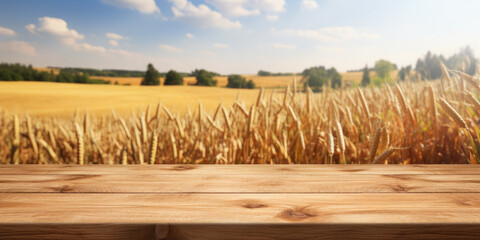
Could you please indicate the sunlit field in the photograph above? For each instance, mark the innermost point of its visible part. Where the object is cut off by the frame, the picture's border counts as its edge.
(406, 123)
(260, 81)
(62, 99)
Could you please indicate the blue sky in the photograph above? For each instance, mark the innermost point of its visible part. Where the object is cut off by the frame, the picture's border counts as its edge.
(233, 36)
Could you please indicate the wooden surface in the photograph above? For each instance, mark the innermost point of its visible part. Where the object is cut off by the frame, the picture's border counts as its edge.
(254, 201)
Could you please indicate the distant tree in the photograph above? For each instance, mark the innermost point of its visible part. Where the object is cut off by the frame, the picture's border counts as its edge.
(264, 73)
(81, 78)
(335, 77)
(366, 76)
(173, 78)
(404, 72)
(204, 78)
(383, 68)
(250, 84)
(236, 81)
(316, 77)
(151, 76)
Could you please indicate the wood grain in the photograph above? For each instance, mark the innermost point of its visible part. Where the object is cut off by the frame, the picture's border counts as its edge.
(80, 231)
(225, 183)
(240, 202)
(453, 169)
(324, 231)
(240, 231)
(366, 208)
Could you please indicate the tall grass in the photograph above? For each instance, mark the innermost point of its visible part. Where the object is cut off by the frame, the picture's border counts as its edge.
(402, 124)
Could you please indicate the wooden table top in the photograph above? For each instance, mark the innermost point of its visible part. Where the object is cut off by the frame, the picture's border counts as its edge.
(240, 194)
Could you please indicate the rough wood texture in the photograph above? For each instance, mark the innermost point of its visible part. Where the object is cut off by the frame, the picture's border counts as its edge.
(218, 183)
(275, 202)
(183, 169)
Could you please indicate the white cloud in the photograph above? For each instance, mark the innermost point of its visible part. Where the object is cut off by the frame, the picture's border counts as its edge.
(143, 6)
(309, 4)
(234, 8)
(241, 8)
(189, 35)
(123, 52)
(270, 5)
(331, 34)
(58, 28)
(84, 47)
(272, 17)
(285, 46)
(114, 36)
(169, 48)
(7, 32)
(201, 15)
(19, 47)
(54, 26)
(30, 28)
(113, 43)
(220, 45)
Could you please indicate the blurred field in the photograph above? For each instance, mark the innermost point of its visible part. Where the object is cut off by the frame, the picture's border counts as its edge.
(260, 81)
(356, 77)
(61, 99)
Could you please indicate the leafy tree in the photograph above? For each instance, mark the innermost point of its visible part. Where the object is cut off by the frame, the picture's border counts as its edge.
(151, 76)
(383, 68)
(250, 84)
(173, 78)
(264, 73)
(237, 81)
(319, 76)
(366, 76)
(204, 78)
(404, 72)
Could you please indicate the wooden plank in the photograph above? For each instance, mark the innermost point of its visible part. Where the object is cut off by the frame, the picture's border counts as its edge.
(241, 231)
(215, 183)
(377, 208)
(80, 231)
(454, 169)
(324, 231)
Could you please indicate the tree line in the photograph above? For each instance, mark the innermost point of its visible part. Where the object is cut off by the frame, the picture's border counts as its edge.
(19, 72)
(203, 77)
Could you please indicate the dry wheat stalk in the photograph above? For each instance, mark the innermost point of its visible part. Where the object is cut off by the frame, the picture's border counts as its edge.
(80, 145)
(375, 142)
(473, 101)
(144, 129)
(153, 148)
(452, 113)
(341, 142)
(384, 140)
(259, 98)
(384, 155)
(433, 105)
(31, 135)
(49, 149)
(16, 140)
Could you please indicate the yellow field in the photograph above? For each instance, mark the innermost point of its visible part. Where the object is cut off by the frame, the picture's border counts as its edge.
(356, 77)
(260, 81)
(61, 99)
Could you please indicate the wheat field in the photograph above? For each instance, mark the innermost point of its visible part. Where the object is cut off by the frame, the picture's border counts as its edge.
(406, 123)
(46, 99)
(260, 81)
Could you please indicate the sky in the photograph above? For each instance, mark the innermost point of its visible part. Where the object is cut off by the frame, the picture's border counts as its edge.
(233, 36)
